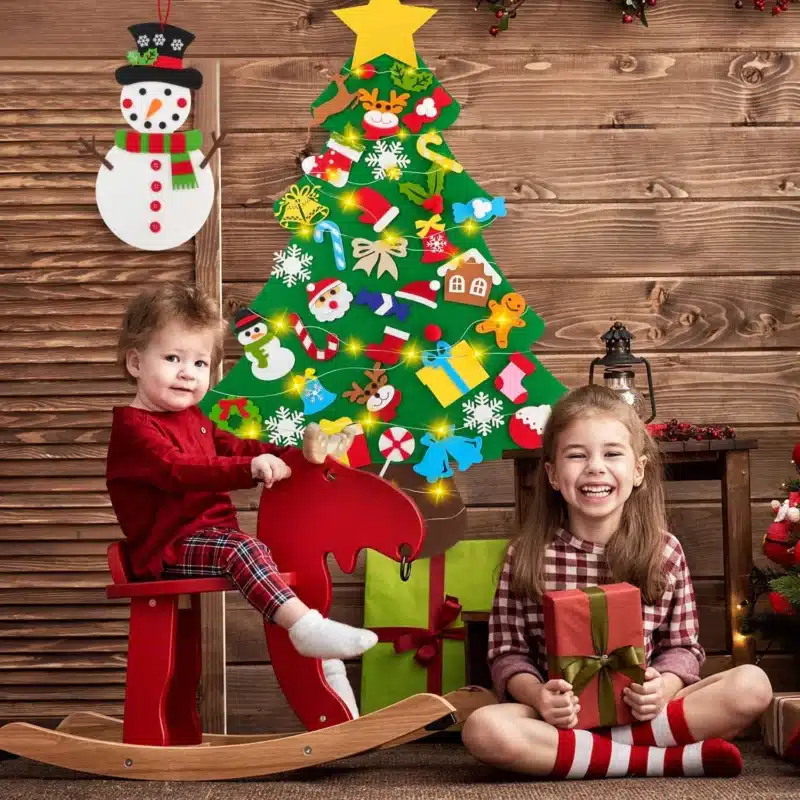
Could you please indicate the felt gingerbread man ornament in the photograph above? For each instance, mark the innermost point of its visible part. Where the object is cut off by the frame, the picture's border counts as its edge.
(505, 315)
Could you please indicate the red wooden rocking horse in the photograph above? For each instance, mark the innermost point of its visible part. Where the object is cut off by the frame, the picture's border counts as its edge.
(323, 509)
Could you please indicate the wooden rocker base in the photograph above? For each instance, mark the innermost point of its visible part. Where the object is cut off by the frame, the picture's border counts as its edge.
(420, 714)
(91, 725)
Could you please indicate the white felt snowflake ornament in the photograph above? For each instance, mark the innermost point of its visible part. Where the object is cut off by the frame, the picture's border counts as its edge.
(292, 265)
(285, 426)
(483, 413)
(387, 160)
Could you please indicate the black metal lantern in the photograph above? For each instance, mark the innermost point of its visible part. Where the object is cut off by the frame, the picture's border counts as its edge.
(619, 371)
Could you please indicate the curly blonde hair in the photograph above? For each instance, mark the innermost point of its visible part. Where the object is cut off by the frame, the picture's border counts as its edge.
(150, 311)
(635, 552)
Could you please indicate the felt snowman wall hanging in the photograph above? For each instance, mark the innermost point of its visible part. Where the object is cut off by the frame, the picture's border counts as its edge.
(155, 188)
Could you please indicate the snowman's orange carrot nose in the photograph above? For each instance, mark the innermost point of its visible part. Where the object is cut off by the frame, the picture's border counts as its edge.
(155, 105)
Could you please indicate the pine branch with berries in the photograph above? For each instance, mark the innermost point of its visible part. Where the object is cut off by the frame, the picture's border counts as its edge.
(674, 431)
(635, 9)
(504, 11)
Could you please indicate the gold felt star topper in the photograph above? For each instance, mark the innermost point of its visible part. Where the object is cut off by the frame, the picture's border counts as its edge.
(385, 26)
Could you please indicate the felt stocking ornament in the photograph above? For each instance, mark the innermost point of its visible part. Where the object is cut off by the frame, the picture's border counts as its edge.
(509, 381)
(376, 210)
(583, 754)
(333, 165)
(388, 351)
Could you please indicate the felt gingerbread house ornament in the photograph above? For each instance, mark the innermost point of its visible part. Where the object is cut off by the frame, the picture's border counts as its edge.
(469, 279)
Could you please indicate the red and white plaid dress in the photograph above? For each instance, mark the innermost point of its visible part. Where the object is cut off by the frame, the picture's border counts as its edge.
(516, 624)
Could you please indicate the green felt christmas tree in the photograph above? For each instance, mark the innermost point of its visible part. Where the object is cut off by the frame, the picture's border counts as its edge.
(386, 308)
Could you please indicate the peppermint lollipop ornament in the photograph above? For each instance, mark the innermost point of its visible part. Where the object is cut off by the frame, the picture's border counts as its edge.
(395, 445)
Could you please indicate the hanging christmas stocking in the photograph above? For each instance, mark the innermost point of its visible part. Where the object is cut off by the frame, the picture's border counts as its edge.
(509, 381)
(333, 165)
(388, 351)
(317, 353)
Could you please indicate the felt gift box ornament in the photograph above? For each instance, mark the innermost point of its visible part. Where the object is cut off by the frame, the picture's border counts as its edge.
(451, 372)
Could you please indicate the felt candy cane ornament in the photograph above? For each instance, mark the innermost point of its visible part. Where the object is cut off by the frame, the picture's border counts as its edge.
(423, 148)
(317, 353)
(332, 229)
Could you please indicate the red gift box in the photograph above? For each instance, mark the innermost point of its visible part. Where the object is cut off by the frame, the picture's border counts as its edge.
(595, 641)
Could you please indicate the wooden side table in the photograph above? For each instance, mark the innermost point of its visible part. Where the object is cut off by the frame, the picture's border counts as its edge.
(726, 461)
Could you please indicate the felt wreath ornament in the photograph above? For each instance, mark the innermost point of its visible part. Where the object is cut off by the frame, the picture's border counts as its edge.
(229, 407)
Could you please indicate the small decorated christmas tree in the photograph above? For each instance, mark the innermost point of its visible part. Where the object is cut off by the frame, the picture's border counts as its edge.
(385, 309)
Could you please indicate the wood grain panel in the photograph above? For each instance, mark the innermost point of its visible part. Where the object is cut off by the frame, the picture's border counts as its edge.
(545, 89)
(269, 27)
(573, 165)
(553, 239)
(677, 313)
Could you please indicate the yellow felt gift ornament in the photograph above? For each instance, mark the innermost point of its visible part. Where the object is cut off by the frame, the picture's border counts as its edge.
(451, 372)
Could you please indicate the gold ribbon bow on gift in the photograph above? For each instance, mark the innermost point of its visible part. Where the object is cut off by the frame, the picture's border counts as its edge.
(381, 253)
(425, 226)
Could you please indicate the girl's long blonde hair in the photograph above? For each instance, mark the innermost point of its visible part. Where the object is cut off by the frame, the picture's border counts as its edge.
(635, 553)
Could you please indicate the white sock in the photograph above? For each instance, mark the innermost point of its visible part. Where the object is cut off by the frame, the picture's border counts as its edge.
(336, 676)
(317, 637)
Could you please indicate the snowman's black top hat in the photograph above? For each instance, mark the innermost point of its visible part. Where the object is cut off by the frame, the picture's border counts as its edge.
(160, 57)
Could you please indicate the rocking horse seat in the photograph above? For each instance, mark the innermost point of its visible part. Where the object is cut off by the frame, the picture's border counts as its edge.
(164, 652)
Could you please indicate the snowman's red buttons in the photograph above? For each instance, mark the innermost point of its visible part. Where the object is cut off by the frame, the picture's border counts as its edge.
(127, 102)
(155, 206)
(156, 186)
(181, 102)
(155, 227)
(155, 164)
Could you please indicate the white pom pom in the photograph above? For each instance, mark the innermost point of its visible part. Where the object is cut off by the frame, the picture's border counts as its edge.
(775, 505)
(793, 515)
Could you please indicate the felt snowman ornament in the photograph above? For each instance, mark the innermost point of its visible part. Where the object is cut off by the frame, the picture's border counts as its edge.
(328, 299)
(268, 358)
(155, 189)
(527, 425)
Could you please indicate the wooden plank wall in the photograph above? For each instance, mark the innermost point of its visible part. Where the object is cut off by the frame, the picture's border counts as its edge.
(651, 176)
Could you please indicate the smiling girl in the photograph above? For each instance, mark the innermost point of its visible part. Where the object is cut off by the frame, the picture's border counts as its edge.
(597, 517)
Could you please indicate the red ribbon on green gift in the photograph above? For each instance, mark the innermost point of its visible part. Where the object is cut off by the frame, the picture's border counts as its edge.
(427, 642)
(226, 406)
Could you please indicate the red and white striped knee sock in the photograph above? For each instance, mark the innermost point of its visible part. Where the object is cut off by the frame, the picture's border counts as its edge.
(667, 729)
(583, 754)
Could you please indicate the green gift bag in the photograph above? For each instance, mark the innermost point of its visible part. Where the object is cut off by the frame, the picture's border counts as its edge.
(421, 636)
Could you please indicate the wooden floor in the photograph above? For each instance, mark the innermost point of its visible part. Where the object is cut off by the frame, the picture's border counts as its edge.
(433, 771)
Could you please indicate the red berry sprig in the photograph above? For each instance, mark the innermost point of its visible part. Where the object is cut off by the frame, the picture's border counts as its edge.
(760, 5)
(674, 431)
(504, 11)
(635, 9)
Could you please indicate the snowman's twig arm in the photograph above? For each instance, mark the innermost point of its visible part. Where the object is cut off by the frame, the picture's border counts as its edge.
(91, 150)
(217, 144)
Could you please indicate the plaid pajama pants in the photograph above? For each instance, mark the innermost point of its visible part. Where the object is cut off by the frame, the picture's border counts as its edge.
(246, 561)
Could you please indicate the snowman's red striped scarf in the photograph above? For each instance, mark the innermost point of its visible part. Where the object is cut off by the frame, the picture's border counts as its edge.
(178, 145)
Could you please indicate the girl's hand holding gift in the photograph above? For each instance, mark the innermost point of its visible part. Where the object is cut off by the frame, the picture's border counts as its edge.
(647, 699)
(557, 704)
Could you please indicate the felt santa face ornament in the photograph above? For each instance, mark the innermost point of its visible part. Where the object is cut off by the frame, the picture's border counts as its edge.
(328, 299)
(527, 425)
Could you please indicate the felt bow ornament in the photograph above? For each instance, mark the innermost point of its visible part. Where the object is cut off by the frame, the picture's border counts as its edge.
(239, 404)
(425, 226)
(428, 642)
(381, 253)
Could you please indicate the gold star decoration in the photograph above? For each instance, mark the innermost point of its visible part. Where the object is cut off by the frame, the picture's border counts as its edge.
(385, 27)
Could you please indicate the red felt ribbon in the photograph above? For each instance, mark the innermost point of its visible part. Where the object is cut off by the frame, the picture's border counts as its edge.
(427, 642)
(414, 121)
(227, 405)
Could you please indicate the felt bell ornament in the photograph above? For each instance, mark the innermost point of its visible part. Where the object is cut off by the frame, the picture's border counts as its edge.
(314, 395)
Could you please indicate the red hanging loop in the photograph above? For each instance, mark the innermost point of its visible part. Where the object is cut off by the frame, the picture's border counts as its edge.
(166, 18)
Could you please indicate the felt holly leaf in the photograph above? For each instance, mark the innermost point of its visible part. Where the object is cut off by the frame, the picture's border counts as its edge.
(414, 192)
(435, 180)
(409, 78)
(504, 22)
